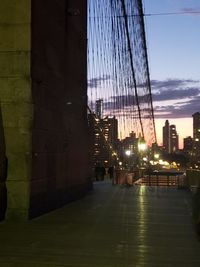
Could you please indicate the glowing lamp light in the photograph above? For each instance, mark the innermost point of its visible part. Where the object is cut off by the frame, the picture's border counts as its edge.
(142, 147)
(156, 156)
(128, 152)
(120, 163)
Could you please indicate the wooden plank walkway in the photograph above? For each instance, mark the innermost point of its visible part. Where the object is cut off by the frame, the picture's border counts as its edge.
(113, 226)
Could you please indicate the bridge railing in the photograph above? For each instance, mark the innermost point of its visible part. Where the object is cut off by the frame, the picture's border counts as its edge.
(177, 179)
(165, 178)
(190, 179)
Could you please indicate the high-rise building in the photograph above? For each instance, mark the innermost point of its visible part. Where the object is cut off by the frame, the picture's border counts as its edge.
(188, 145)
(173, 140)
(166, 134)
(196, 137)
(170, 138)
(104, 139)
(99, 108)
(130, 143)
(196, 125)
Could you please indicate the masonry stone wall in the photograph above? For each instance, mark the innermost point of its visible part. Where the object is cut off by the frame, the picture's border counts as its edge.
(44, 103)
(16, 102)
(59, 87)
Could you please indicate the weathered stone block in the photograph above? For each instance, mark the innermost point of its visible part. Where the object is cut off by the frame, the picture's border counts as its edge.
(13, 113)
(15, 37)
(15, 64)
(15, 89)
(19, 166)
(17, 142)
(18, 199)
(22, 89)
(15, 11)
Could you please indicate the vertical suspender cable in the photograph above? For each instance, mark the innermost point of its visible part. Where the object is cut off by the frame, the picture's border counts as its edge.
(147, 64)
(131, 61)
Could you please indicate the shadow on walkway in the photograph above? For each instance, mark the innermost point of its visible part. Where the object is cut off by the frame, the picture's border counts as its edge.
(112, 226)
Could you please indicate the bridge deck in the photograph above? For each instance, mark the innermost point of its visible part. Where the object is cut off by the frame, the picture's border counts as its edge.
(112, 226)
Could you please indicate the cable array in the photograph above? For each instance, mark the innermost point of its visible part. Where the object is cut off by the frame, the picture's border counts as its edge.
(118, 66)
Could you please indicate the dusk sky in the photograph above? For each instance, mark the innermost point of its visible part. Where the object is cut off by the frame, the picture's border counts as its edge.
(173, 43)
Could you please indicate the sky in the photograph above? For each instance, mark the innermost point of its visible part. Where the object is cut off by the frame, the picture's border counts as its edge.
(173, 43)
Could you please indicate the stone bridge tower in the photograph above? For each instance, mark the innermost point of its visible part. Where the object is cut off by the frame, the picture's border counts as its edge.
(43, 96)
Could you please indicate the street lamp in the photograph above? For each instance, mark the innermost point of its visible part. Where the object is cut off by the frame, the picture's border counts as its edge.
(128, 153)
(156, 156)
(142, 147)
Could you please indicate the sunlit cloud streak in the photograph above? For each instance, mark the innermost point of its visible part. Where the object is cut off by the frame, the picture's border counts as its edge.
(172, 83)
(173, 90)
(184, 110)
(176, 94)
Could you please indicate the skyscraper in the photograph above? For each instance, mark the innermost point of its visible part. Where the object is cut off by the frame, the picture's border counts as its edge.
(104, 138)
(188, 145)
(173, 139)
(196, 137)
(170, 138)
(196, 125)
(99, 108)
(166, 139)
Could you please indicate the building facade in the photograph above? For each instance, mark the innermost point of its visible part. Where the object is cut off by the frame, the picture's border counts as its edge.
(166, 136)
(188, 145)
(43, 90)
(196, 137)
(104, 140)
(99, 108)
(173, 139)
(170, 138)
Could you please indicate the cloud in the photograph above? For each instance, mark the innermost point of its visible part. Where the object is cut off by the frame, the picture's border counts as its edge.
(183, 96)
(95, 82)
(166, 90)
(172, 84)
(172, 90)
(175, 94)
(191, 11)
(179, 110)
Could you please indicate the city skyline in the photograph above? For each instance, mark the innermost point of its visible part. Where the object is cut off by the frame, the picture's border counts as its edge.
(172, 42)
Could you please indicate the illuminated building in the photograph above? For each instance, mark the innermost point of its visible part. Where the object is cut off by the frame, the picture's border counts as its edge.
(166, 130)
(99, 108)
(130, 143)
(196, 136)
(104, 139)
(188, 145)
(173, 139)
(170, 138)
(129, 150)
